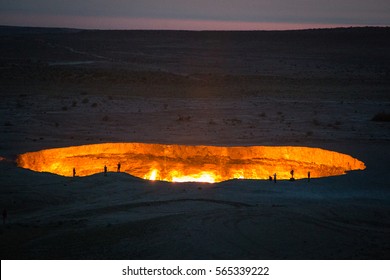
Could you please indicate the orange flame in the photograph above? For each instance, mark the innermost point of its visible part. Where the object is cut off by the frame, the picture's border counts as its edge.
(152, 175)
(203, 176)
(180, 163)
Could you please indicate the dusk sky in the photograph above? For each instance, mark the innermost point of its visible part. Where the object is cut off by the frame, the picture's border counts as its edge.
(195, 15)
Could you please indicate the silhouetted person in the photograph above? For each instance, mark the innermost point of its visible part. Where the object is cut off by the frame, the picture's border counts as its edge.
(292, 175)
(270, 178)
(74, 172)
(275, 178)
(308, 176)
(105, 170)
(4, 215)
(119, 167)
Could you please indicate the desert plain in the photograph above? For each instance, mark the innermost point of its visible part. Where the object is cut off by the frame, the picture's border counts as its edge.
(309, 88)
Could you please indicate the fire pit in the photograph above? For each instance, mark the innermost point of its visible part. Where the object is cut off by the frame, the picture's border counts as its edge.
(181, 163)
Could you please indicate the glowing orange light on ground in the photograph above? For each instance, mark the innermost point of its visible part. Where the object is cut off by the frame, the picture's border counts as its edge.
(180, 163)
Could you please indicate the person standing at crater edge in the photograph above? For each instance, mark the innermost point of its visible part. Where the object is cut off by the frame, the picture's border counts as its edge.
(105, 170)
(119, 167)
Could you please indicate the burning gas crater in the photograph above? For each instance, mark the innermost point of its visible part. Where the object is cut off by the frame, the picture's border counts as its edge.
(180, 163)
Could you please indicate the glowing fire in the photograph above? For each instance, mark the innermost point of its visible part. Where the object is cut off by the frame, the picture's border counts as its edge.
(207, 177)
(152, 175)
(180, 163)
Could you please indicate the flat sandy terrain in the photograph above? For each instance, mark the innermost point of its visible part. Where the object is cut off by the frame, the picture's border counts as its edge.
(316, 88)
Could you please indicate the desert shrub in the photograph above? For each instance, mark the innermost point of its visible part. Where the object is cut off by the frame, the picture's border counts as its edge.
(74, 103)
(381, 117)
(85, 100)
(316, 122)
(232, 121)
(334, 125)
(94, 105)
(183, 118)
(19, 104)
(64, 108)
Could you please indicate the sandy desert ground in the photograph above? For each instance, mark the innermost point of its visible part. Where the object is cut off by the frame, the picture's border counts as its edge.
(315, 88)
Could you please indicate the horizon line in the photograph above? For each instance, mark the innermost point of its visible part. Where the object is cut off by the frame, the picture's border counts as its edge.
(194, 30)
(121, 23)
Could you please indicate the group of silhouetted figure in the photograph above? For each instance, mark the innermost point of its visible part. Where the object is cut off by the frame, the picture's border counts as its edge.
(292, 176)
(105, 169)
(270, 177)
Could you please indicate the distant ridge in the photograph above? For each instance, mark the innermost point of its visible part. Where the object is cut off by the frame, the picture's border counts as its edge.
(21, 30)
